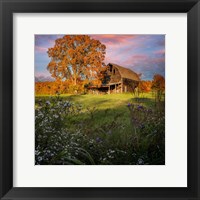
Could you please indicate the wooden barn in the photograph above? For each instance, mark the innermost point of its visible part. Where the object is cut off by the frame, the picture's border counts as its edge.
(117, 79)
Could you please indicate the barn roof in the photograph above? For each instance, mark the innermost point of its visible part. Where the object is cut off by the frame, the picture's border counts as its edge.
(126, 73)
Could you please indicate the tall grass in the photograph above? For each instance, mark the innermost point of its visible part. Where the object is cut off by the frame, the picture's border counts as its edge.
(116, 129)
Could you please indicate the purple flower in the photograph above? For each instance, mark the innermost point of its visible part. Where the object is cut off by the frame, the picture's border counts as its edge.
(98, 139)
(129, 104)
(140, 107)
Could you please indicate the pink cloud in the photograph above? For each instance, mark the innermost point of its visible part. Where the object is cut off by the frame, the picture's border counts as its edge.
(112, 59)
(116, 41)
(51, 42)
(40, 49)
(119, 48)
(136, 59)
(158, 60)
(111, 38)
(115, 51)
(160, 52)
(37, 73)
(144, 60)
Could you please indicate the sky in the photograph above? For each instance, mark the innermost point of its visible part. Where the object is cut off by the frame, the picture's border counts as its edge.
(144, 54)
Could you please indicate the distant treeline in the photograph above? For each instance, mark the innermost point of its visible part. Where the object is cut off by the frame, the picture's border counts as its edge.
(62, 87)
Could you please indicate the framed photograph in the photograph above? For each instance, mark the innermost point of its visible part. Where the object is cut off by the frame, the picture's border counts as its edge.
(99, 99)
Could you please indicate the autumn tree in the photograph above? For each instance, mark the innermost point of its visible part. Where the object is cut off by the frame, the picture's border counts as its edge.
(144, 86)
(76, 57)
(158, 85)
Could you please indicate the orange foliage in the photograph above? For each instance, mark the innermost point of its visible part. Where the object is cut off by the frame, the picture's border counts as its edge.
(59, 87)
(75, 58)
(158, 83)
(145, 86)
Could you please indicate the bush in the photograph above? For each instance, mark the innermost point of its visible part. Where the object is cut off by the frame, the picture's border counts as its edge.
(149, 133)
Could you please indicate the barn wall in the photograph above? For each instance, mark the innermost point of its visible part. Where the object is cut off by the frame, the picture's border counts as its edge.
(129, 85)
(115, 75)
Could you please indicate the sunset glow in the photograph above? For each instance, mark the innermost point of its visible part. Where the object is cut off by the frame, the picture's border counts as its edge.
(144, 54)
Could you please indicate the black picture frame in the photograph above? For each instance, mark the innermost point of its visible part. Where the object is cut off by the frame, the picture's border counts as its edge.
(8, 7)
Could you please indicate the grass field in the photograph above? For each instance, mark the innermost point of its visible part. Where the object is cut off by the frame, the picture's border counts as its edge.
(105, 121)
(102, 109)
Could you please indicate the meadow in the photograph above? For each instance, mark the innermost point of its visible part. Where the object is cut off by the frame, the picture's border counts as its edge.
(115, 129)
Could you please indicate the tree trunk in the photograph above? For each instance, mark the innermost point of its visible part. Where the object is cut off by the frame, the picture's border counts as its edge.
(75, 81)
